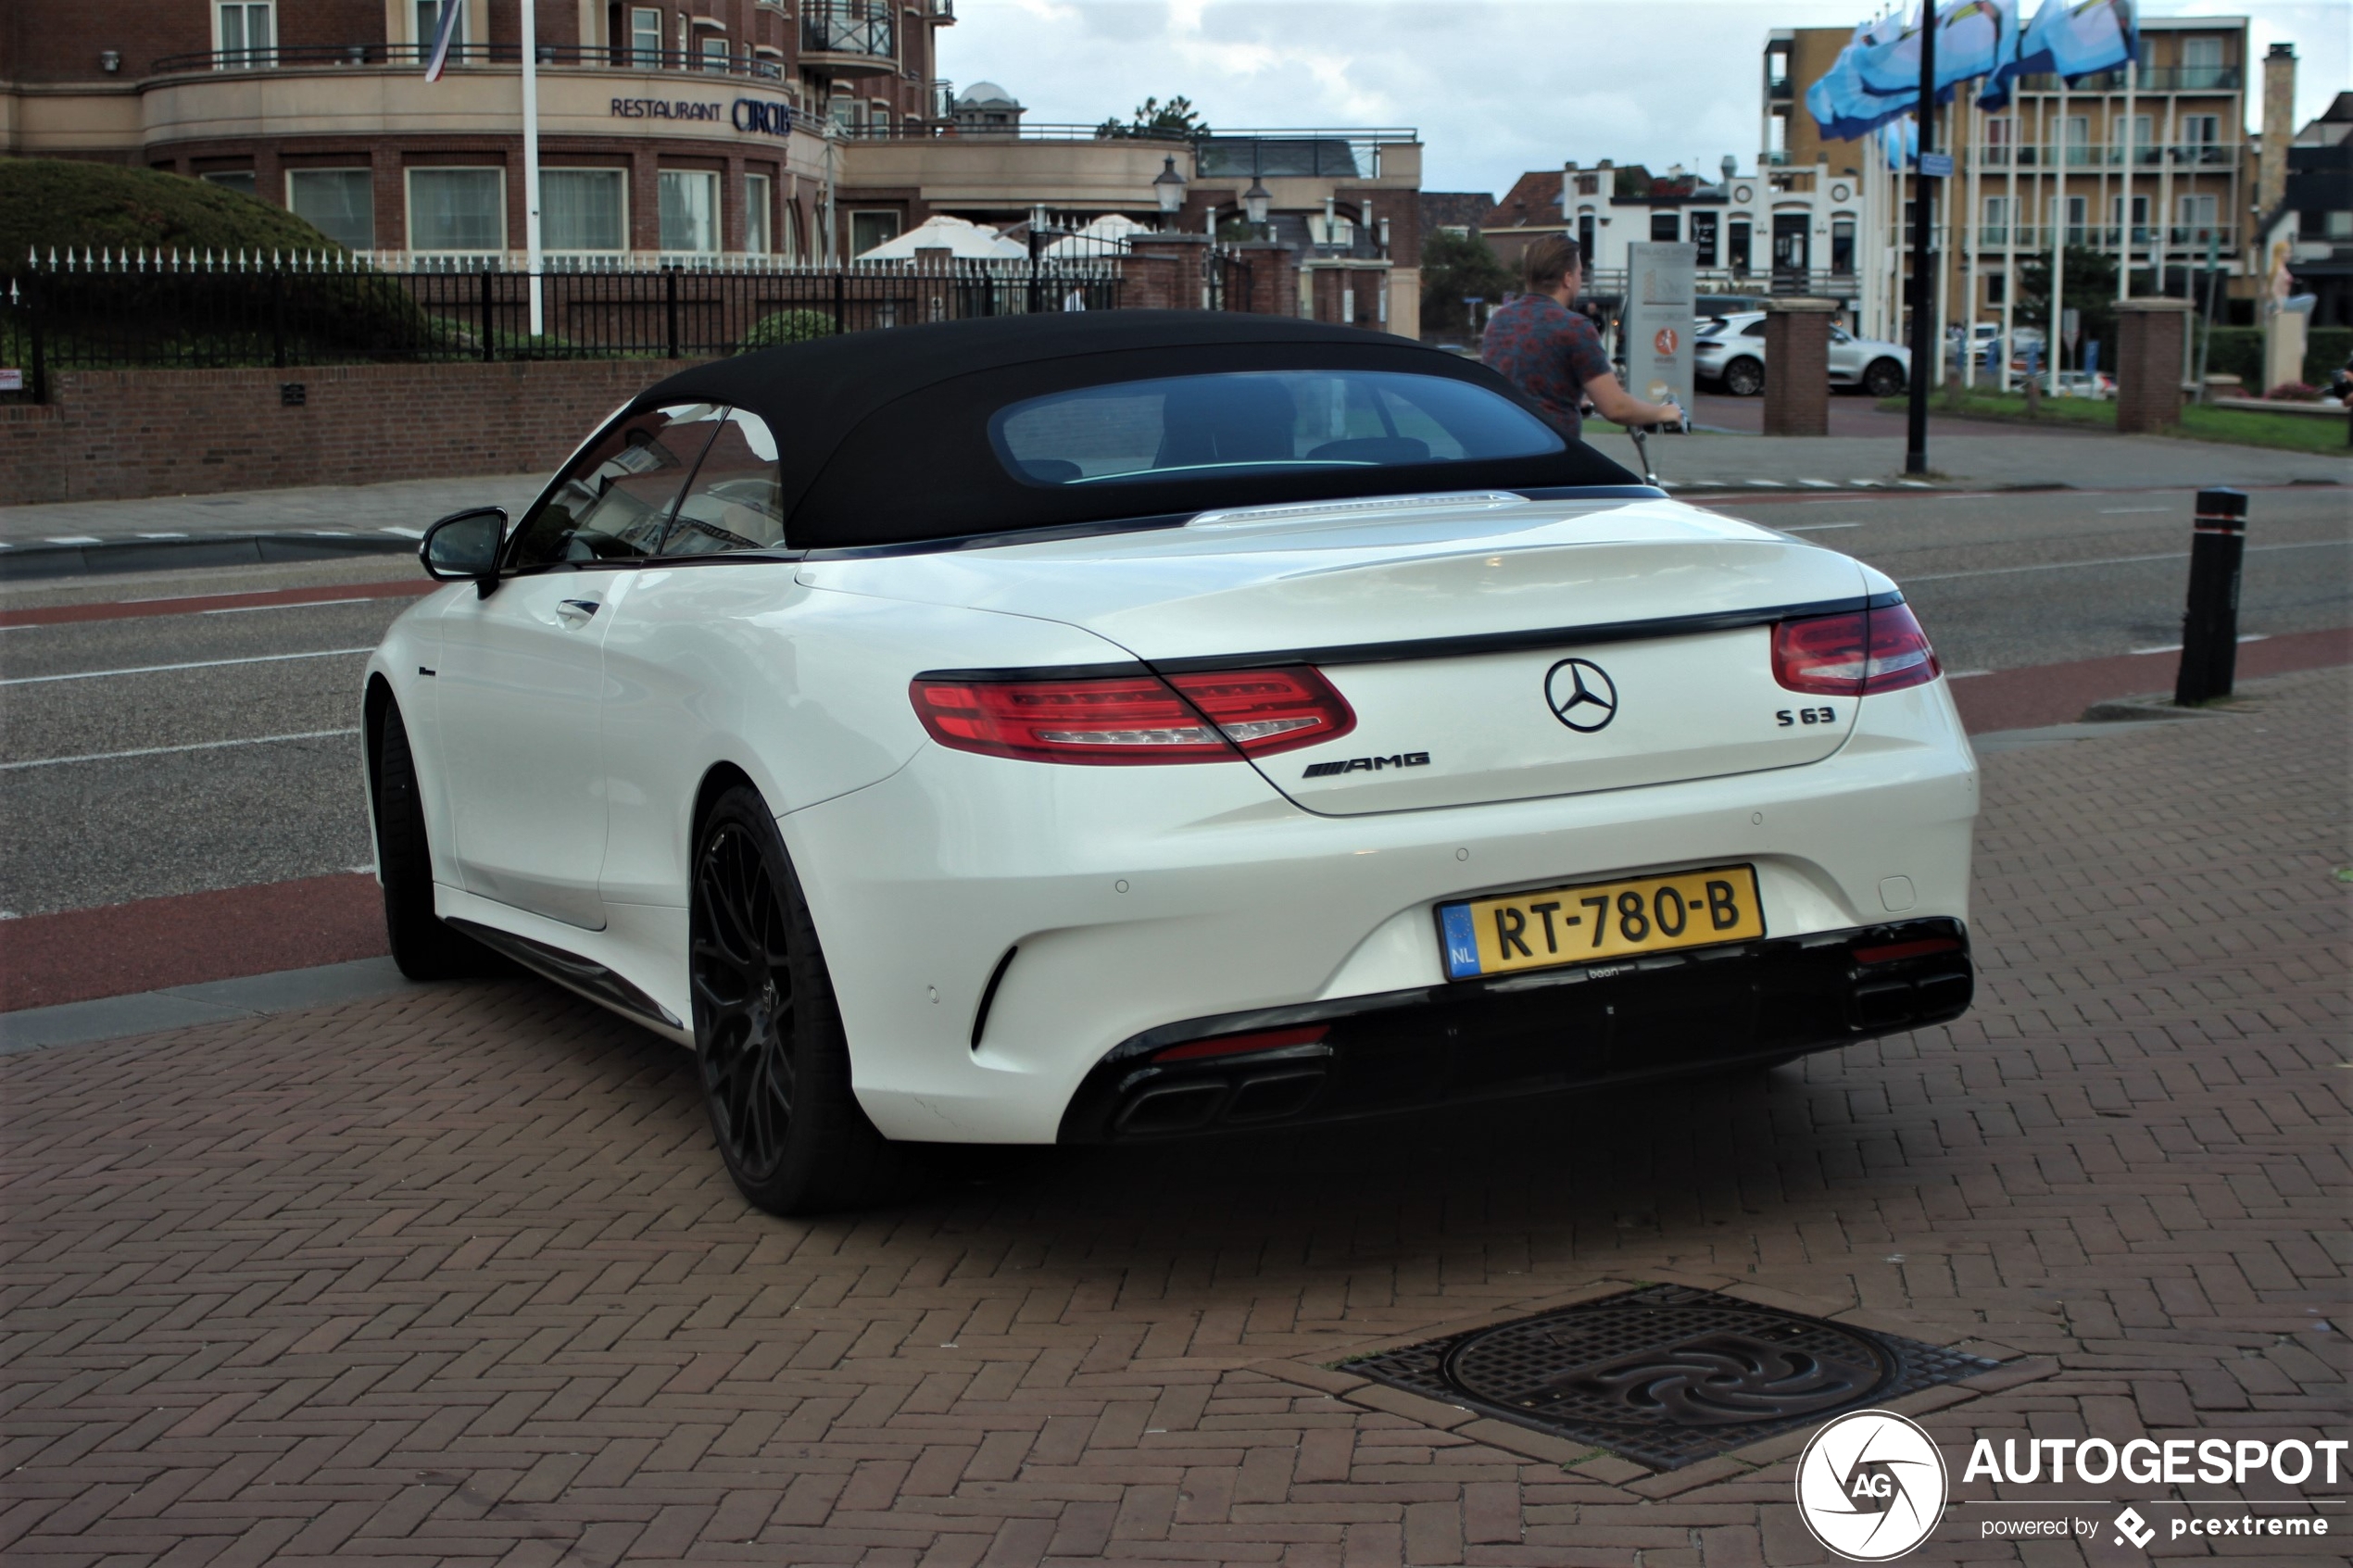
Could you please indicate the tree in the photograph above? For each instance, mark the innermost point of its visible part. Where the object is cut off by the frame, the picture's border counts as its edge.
(1174, 120)
(2090, 278)
(1456, 267)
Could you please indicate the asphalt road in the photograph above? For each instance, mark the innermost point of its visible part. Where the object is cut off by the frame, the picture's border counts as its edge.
(162, 763)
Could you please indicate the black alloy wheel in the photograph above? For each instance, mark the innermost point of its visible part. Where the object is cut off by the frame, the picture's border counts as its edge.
(1884, 379)
(1744, 377)
(768, 1036)
(423, 946)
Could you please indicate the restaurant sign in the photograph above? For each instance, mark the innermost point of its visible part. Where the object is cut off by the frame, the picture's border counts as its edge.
(750, 115)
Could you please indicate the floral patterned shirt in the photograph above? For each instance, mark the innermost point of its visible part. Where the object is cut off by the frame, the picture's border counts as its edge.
(1549, 352)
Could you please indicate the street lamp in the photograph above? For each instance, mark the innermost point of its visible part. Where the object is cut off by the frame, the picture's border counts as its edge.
(1255, 201)
(1168, 189)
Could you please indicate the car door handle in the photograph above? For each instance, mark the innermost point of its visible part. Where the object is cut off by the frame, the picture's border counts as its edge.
(584, 608)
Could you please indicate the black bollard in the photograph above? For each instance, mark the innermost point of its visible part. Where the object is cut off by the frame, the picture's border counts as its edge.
(2210, 626)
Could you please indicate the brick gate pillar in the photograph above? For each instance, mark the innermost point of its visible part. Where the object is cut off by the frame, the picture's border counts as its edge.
(1797, 365)
(1163, 272)
(2148, 363)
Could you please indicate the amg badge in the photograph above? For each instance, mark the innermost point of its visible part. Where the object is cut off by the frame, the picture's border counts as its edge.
(1367, 765)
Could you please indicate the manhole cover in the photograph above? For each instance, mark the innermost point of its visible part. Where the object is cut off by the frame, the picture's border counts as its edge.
(1667, 1374)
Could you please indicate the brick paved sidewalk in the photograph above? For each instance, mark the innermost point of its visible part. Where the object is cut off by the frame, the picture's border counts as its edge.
(455, 1277)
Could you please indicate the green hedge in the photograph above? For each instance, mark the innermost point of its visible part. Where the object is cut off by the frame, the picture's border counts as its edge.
(57, 203)
(2238, 351)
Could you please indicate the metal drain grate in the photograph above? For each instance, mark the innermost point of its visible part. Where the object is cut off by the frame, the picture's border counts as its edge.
(1667, 1374)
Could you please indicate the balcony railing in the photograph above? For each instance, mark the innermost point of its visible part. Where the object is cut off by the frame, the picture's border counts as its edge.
(2035, 237)
(2182, 155)
(2153, 79)
(847, 27)
(412, 57)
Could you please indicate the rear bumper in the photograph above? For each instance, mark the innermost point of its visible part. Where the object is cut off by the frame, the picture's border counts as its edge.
(1528, 1035)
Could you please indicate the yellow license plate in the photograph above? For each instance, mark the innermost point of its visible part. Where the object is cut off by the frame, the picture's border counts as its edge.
(1599, 920)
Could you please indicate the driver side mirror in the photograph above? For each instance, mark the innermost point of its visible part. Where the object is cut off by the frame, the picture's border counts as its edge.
(464, 547)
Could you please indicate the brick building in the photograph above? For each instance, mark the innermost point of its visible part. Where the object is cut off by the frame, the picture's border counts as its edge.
(2153, 165)
(697, 134)
(686, 130)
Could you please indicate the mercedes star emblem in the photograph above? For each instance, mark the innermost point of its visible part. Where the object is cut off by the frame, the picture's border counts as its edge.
(1582, 695)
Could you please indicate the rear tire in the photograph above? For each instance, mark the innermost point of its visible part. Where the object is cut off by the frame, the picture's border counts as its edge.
(1744, 377)
(423, 947)
(1884, 379)
(774, 1059)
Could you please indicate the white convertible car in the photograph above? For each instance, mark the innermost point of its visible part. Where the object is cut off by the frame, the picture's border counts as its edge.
(1121, 726)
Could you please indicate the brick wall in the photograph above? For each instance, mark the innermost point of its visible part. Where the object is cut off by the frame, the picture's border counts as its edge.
(117, 434)
(1797, 371)
(2148, 370)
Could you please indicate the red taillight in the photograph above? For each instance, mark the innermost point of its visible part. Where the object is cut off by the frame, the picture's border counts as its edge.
(1235, 1045)
(1862, 653)
(1128, 718)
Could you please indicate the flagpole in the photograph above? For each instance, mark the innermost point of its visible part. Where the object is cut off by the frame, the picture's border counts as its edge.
(1970, 141)
(2055, 345)
(2009, 242)
(531, 161)
(2124, 202)
(1923, 240)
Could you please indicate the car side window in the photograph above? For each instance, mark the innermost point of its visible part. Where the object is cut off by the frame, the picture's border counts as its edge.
(1755, 329)
(736, 501)
(615, 499)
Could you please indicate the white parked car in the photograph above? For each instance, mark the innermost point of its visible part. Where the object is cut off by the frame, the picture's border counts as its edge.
(1115, 726)
(1729, 350)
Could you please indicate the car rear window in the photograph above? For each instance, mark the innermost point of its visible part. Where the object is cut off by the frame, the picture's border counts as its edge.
(1216, 426)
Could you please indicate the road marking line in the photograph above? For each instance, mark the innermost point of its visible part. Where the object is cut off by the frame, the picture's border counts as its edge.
(2111, 560)
(1965, 674)
(247, 609)
(2176, 647)
(1767, 484)
(73, 539)
(193, 664)
(1818, 484)
(168, 750)
(419, 533)
(163, 535)
(1817, 527)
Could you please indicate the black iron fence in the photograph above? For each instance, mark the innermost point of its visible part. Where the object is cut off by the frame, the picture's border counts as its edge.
(114, 312)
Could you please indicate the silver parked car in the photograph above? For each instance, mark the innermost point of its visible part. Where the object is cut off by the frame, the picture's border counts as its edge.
(1729, 351)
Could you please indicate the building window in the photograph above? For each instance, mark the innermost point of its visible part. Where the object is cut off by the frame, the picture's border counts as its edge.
(759, 202)
(1703, 238)
(2337, 225)
(868, 229)
(2139, 219)
(339, 203)
(1777, 136)
(1585, 237)
(1588, 184)
(584, 209)
(1996, 229)
(456, 209)
(714, 52)
(793, 246)
(238, 179)
(1999, 137)
(246, 34)
(689, 212)
(2202, 62)
(1841, 244)
(2197, 218)
(1998, 287)
(1737, 244)
(1666, 226)
(644, 37)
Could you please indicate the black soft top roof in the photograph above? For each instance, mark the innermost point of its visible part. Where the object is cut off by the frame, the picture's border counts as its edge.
(883, 436)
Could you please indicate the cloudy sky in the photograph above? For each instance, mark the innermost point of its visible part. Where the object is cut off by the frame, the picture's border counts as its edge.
(1494, 86)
